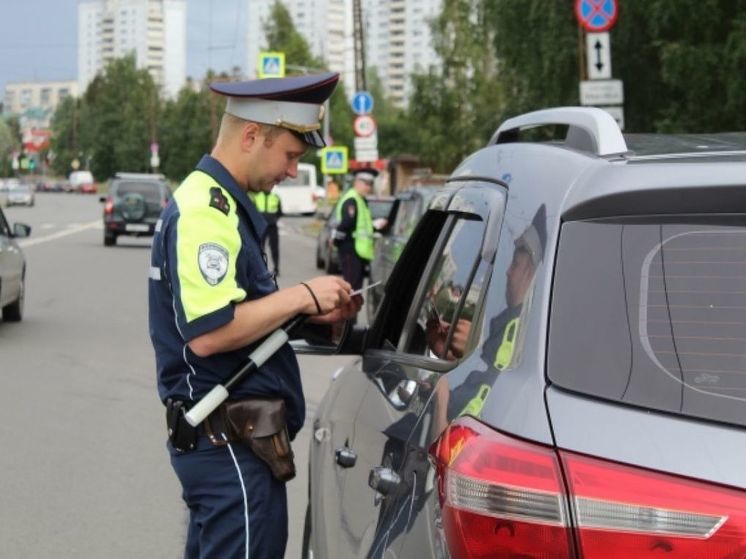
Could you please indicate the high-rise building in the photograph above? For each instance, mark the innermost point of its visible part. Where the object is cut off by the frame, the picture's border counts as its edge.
(397, 38)
(398, 42)
(154, 30)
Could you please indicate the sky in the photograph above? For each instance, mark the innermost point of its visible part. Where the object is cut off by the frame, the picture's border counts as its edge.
(38, 38)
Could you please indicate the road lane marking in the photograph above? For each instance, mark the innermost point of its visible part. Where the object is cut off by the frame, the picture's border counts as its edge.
(70, 231)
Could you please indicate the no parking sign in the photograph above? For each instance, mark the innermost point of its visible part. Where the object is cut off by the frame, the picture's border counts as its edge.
(596, 15)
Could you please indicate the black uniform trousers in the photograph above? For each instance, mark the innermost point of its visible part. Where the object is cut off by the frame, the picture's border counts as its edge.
(236, 508)
(352, 267)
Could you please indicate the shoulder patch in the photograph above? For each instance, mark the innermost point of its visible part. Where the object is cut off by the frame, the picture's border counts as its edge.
(219, 201)
(352, 209)
(213, 262)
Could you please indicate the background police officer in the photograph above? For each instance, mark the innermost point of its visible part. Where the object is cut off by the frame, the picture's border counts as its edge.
(212, 299)
(269, 205)
(354, 232)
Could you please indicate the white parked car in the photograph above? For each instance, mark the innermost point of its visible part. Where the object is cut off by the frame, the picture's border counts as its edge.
(20, 194)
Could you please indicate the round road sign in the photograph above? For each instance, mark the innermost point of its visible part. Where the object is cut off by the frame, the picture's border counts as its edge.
(364, 125)
(596, 15)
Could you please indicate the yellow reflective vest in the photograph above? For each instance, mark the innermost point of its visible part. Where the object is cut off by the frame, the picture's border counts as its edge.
(266, 203)
(363, 233)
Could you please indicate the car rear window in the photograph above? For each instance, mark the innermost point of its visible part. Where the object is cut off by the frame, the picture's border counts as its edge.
(152, 191)
(652, 313)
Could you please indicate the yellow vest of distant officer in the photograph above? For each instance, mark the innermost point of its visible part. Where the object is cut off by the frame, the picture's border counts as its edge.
(363, 233)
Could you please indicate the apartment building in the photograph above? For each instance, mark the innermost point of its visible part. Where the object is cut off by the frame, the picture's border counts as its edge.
(154, 30)
(398, 42)
(21, 96)
(397, 38)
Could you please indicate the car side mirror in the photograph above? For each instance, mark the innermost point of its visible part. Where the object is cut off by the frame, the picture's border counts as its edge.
(21, 230)
(344, 339)
(102, 199)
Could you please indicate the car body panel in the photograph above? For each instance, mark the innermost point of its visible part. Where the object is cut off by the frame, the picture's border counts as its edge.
(653, 440)
(12, 263)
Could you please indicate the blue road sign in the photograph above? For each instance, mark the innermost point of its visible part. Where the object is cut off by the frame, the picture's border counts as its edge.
(596, 15)
(362, 103)
(271, 64)
(334, 160)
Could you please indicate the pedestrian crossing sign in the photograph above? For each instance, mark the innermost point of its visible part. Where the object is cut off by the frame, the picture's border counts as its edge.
(334, 160)
(271, 65)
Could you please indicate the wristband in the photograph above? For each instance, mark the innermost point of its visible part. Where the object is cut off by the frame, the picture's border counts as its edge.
(315, 300)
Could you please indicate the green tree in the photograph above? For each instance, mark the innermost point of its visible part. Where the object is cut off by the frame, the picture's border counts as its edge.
(186, 130)
(119, 119)
(457, 107)
(8, 144)
(282, 36)
(65, 135)
(536, 43)
(395, 131)
(701, 46)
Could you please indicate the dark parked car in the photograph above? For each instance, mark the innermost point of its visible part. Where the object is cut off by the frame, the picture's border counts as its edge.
(326, 252)
(558, 367)
(12, 269)
(407, 210)
(133, 205)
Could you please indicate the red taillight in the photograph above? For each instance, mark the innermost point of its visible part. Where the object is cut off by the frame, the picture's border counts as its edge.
(623, 511)
(108, 206)
(502, 497)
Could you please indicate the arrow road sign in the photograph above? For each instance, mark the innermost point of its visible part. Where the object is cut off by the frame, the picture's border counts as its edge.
(362, 103)
(598, 56)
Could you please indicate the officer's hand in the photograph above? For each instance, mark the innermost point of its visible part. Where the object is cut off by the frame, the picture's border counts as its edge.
(331, 293)
(345, 312)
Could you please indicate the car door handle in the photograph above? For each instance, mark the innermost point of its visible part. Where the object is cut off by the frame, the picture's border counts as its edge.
(384, 480)
(345, 457)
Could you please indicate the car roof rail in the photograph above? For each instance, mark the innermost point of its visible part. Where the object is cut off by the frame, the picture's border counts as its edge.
(590, 129)
(121, 175)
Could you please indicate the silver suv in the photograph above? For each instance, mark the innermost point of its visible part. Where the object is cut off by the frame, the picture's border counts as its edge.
(558, 366)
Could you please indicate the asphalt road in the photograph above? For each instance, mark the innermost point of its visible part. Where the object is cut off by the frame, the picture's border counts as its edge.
(84, 472)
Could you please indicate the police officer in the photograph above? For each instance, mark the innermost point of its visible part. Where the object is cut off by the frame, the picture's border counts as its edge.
(354, 232)
(269, 205)
(212, 299)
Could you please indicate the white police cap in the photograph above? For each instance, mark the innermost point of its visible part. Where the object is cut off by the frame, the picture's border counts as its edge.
(294, 103)
(366, 175)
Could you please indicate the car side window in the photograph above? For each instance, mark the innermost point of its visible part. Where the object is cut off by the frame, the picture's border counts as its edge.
(441, 321)
(402, 220)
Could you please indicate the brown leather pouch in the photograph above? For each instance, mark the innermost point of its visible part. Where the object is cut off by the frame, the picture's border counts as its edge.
(261, 424)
